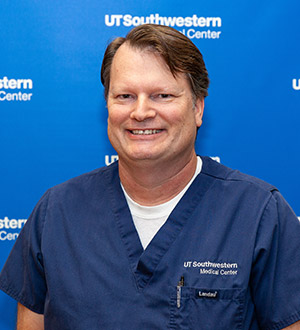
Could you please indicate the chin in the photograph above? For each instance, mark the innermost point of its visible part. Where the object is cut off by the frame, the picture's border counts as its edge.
(136, 156)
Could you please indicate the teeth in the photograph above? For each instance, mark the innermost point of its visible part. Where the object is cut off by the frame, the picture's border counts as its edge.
(145, 132)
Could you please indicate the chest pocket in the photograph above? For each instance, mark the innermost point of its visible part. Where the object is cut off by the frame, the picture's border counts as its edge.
(206, 308)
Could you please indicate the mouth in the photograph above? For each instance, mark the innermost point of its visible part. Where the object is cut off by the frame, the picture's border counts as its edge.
(145, 131)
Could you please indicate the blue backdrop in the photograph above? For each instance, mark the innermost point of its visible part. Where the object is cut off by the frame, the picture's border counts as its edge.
(53, 115)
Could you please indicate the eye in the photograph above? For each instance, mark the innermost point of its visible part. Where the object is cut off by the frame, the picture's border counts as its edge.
(124, 96)
(164, 96)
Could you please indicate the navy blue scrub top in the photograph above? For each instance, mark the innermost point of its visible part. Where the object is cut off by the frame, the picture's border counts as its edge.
(228, 257)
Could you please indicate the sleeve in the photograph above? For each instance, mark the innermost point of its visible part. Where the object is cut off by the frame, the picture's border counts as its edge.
(275, 277)
(22, 276)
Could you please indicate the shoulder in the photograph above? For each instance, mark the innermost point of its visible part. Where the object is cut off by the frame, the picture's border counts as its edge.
(234, 177)
(95, 182)
(250, 194)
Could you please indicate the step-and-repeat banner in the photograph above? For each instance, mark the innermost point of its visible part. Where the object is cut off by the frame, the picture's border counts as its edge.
(53, 115)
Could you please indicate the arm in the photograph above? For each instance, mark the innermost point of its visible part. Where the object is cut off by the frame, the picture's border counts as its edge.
(295, 326)
(275, 273)
(28, 320)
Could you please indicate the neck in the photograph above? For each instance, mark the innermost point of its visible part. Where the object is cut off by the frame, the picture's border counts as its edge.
(149, 183)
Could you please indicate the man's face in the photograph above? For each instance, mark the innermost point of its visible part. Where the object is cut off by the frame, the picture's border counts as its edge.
(151, 114)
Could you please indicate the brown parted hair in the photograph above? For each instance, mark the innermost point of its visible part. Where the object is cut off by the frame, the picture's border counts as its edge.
(177, 50)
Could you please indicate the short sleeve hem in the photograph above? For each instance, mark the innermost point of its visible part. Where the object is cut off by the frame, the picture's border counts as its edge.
(285, 323)
(6, 289)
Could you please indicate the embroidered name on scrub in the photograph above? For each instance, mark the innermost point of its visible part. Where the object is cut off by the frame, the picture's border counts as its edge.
(213, 268)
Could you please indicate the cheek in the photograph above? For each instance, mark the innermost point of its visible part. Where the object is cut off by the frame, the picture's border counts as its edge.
(188, 126)
(112, 125)
(183, 119)
(114, 117)
(172, 115)
(181, 113)
(113, 133)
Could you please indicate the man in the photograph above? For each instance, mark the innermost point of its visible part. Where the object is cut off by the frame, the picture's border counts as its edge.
(163, 239)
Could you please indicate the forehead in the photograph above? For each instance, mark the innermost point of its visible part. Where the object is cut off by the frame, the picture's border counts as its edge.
(130, 64)
(128, 56)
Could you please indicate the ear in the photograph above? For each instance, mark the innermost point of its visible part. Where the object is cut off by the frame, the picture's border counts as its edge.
(199, 108)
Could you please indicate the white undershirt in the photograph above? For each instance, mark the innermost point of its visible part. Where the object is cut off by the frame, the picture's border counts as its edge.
(149, 219)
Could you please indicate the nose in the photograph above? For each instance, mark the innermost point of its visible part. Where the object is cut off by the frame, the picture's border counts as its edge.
(142, 109)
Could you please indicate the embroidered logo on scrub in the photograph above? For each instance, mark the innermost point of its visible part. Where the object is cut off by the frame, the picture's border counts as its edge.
(206, 294)
(213, 268)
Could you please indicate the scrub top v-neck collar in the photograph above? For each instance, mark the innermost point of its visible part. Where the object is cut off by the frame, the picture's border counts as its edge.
(144, 262)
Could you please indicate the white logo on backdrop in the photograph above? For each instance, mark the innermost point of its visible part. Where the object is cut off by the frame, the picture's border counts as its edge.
(7, 225)
(188, 23)
(17, 86)
(296, 84)
(109, 159)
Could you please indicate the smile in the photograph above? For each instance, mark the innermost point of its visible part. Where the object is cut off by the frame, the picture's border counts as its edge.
(146, 131)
